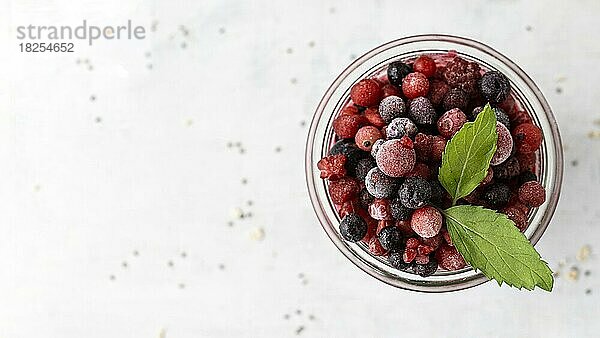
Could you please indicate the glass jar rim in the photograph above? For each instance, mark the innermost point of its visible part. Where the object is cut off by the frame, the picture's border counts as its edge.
(537, 106)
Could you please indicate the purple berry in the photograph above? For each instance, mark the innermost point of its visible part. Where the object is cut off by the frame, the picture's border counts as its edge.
(421, 111)
(399, 127)
(391, 107)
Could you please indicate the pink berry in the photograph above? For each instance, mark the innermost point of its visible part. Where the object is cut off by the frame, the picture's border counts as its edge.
(422, 147)
(451, 122)
(415, 85)
(366, 136)
(449, 258)
(425, 65)
(532, 194)
(412, 243)
(409, 255)
(528, 138)
(420, 170)
(380, 210)
(374, 118)
(366, 93)
(396, 158)
(504, 145)
(426, 221)
(422, 259)
(433, 242)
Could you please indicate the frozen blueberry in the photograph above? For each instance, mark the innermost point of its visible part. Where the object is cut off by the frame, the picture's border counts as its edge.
(421, 111)
(375, 147)
(342, 146)
(396, 71)
(415, 192)
(381, 185)
(497, 195)
(437, 193)
(494, 86)
(501, 116)
(363, 166)
(397, 261)
(399, 211)
(353, 154)
(365, 198)
(527, 176)
(391, 107)
(399, 127)
(390, 238)
(353, 228)
(426, 270)
(456, 98)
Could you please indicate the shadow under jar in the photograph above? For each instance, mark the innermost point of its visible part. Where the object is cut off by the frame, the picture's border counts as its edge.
(321, 137)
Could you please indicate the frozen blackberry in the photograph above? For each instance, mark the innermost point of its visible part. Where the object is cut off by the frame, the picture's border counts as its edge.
(353, 154)
(421, 111)
(415, 192)
(462, 74)
(397, 262)
(381, 185)
(501, 116)
(390, 238)
(437, 193)
(399, 211)
(353, 227)
(365, 198)
(396, 71)
(456, 98)
(527, 176)
(343, 146)
(391, 107)
(507, 170)
(399, 127)
(363, 166)
(497, 195)
(494, 86)
(426, 270)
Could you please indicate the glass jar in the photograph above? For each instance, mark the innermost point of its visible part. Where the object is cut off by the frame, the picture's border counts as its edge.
(321, 137)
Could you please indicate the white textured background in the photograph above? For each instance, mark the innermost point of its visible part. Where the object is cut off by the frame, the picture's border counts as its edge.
(145, 168)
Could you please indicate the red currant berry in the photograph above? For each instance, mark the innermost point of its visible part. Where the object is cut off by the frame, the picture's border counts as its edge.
(425, 65)
(415, 85)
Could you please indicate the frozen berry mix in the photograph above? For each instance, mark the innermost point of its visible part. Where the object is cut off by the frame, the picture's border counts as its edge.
(390, 137)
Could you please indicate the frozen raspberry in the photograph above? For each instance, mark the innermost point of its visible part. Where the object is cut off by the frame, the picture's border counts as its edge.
(433, 242)
(426, 270)
(420, 170)
(365, 198)
(425, 65)
(527, 176)
(405, 228)
(415, 85)
(366, 93)
(346, 126)
(400, 127)
(343, 190)
(528, 138)
(396, 260)
(456, 98)
(494, 86)
(507, 170)
(347, 208)
(500, 115)
(532, 194)
(409, 255)
(376, 146)
(424, 249)
(426, 221)
(363, 167)
(396, 158)
(437, 91)
(422, 147)
(390, 238)
(371, 226)
(449, 258)
(375, 247)
(421, 111)
(451, 122)
(397, 71)
(353, 228)
(332, 167)
(527, 161)
(399, 211)
(516, 215)
(350, 110)
(504, 145)
(351, 151)
(438, 144)
(515, 202)
(391, 107)
(366, 136)
(374, 118)
(380, 210)
(390, 90)
(497, 195)
(381, 185)
(462, 74)
(412, 243)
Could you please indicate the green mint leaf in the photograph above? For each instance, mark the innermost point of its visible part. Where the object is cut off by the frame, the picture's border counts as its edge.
(491, 242)
(467, 156)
